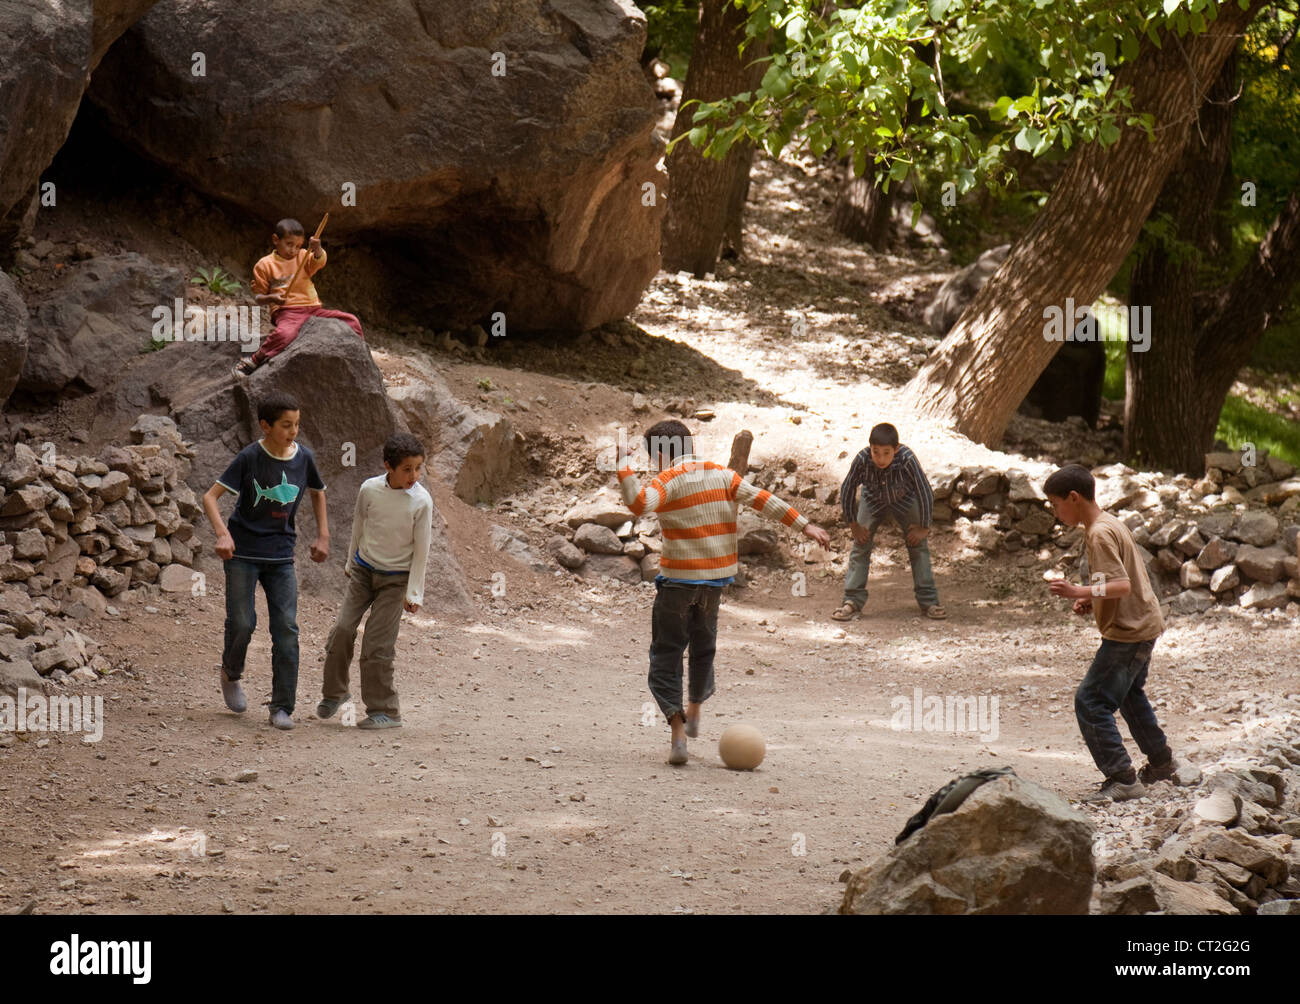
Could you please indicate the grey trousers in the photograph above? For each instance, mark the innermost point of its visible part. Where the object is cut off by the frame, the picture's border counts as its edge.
(383, 596)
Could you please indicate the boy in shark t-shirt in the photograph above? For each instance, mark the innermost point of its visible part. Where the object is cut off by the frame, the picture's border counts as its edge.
(268, 478)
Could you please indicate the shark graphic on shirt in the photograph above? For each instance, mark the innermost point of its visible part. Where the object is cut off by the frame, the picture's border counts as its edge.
(284, 493)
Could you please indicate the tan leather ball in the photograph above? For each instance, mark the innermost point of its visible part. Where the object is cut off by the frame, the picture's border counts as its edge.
(742, 747)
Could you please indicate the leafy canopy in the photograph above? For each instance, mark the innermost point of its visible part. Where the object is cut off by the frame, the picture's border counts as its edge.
(844, 82)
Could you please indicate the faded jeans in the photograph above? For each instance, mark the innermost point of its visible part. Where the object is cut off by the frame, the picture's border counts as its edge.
(1115, 681)
(280, 584)
(855, 578)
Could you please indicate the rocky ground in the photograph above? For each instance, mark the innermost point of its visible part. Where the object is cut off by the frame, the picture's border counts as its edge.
(531, 775)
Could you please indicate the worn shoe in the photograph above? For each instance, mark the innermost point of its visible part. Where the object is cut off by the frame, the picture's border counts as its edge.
(846, 612)
(233, 693)
(1115, 790)
(379, 721)
(677, 754)
(1150, 774)
(327, 706)
(244, 367)
(280, 719)
(935, 613)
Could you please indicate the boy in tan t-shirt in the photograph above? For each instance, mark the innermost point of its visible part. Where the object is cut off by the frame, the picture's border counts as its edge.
(1128, 617)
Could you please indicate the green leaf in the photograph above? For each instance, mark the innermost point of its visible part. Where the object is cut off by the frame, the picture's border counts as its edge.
(898, 170)
(859, 161)
(1129, 47)
(1001, 109)
(794, 28)
(1027, 139)
(697, 136)
(1108, 132)
(916, 213)
(939, 8)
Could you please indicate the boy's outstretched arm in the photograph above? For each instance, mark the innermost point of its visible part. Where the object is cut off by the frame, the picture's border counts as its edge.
(225, 546)
(777, 510)
(320, 547)
(638, 499)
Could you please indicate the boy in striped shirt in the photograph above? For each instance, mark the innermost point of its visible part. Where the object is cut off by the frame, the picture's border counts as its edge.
(894, 485)
(697, 503)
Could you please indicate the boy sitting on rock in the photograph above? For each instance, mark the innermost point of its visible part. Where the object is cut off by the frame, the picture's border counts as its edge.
(290, 308)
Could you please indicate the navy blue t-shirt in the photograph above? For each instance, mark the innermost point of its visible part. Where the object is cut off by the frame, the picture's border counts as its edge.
(268, 490)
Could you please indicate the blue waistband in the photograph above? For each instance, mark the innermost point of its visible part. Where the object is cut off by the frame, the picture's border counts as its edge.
(378, 571)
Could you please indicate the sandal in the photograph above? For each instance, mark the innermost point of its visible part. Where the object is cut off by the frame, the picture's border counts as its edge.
(847, 612)
(935, 613)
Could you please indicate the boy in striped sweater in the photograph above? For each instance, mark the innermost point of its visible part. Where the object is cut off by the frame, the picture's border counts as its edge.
(697, 503)
(893, 485)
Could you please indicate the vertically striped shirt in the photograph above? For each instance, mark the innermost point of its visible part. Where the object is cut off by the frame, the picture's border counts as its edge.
(697, 502)
(889, 489)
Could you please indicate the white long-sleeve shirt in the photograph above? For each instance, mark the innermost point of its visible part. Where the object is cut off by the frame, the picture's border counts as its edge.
(391, 529)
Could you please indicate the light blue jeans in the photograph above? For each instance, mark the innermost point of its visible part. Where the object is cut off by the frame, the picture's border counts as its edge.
(855, 578)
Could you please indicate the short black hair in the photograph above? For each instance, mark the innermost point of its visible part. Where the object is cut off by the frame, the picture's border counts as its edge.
(670, 439)
(289, 227)
(883, 434)
(275, 404)
(400, 446)
(1071, 478)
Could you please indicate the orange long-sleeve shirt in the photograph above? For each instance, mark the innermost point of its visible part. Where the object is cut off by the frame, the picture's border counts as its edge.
(272, 273)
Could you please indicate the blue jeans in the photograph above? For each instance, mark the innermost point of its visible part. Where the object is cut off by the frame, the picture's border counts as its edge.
(855, 578)
(281, 587)
(685, 617)
(1114, 682)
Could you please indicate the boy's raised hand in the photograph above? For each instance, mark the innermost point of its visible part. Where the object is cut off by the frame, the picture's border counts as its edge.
(313, 245)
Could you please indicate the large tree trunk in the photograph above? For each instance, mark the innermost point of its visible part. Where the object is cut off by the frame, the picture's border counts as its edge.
(1078, 240)
(706, 197)
(862, 210)
(1166, 406)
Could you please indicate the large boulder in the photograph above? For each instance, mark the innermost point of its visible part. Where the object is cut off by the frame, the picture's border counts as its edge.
(47, 53)
(473, 448)
(498, 149)
(1011, 847)
(954, 295)
(86, 331)
(345, 419)
(13, 337)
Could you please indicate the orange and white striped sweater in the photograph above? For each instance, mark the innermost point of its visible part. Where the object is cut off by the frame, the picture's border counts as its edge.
(697, 502)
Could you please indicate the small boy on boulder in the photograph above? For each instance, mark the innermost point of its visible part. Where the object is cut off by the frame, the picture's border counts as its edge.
(290, 308)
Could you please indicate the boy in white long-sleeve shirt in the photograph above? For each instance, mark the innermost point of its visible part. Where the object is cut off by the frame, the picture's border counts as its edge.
(385, 568)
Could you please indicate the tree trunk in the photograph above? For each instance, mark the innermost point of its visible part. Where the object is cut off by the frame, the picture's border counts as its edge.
(706, 197)
(862, 210)
(733, 228)
(1164, 407)
(1078, 240)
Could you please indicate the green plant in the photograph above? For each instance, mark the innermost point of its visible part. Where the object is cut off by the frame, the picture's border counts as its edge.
(1242, 422)
(484, 383)
(218, 281)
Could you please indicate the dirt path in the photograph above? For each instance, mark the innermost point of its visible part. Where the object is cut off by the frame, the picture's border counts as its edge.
(524, 735)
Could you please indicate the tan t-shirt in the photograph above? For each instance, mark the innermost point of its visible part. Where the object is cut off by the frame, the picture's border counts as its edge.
(272, 274)
(1112, 554)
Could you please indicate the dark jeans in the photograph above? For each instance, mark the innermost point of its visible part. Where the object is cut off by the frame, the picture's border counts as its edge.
(1114, 682)
(684, 617)
(855, 576)
(281, 587)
